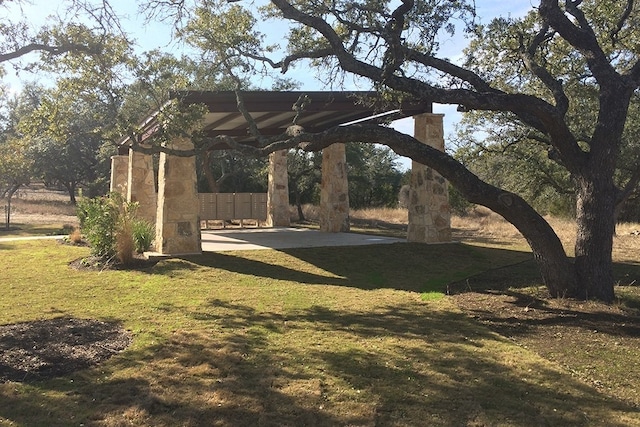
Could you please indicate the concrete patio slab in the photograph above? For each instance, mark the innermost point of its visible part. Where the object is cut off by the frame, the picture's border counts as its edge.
(284, 238)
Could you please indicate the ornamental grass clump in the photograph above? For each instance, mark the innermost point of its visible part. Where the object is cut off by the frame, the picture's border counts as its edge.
(75, 236)
(123, 232)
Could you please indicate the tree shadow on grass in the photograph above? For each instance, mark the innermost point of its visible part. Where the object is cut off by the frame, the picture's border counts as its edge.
(260, 268)
(238, 366)
(525, 274)
(523, 313)
(405, 266)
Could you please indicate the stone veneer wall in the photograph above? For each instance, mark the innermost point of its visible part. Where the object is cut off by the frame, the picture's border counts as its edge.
(334, 190)
(141, 186)
(177, 218)
(119, 173)
(429, 210)
(278, 191)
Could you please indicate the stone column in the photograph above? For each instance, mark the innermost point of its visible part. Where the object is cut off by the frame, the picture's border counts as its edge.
(278, 191)
(334, 190)
(119, 173)
(429, 211)
(177, 218)
(141, 185)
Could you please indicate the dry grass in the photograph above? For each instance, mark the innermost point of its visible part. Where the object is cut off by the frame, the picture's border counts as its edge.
(75, 236)
(40, 206)
(124, 244)
(485, 227)
(389, 215)
(482, 223)
(482, 226)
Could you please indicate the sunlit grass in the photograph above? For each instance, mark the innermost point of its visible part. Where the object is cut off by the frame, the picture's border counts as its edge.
(53, 228)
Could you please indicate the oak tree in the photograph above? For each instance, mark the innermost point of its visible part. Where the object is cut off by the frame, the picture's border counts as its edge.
(394, 47)
(508, 152)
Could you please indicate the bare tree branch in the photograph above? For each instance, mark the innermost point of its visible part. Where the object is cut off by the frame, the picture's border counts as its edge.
(54, 50)
(253, 127)
(582, 37)
(527, 54)
(393, 57)
(620, 24)
(533, 110)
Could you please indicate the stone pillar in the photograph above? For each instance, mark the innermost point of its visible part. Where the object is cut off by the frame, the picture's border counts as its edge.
(278, 191)
(334, 190)
(177, 218)
(141, 185)
(429, 211)
(119, 173)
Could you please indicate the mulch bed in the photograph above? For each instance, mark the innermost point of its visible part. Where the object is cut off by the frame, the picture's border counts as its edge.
(94, 263)
(41, 349)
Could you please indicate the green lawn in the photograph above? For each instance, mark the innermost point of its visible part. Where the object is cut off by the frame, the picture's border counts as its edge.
(24, 230)
(351, 336)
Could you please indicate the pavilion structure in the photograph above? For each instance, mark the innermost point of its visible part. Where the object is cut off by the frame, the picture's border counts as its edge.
(174, 207)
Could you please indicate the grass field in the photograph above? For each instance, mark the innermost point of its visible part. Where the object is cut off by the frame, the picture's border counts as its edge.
(351, 336)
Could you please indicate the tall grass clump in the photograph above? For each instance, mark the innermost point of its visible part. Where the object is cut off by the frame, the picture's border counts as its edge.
(75, 236)
(124, 243)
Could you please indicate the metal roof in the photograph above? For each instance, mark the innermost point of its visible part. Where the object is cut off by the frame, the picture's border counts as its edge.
(273, 112)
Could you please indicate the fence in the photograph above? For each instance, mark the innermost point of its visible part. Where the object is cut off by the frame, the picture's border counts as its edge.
(233, 206)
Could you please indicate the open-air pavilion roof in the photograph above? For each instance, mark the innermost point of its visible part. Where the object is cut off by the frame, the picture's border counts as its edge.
(273, 111)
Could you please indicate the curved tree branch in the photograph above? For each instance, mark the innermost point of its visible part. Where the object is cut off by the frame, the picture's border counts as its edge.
(620, 24)
(464, 74)
(580, 36)
(527, 53)
(41, 47)
(547, 117)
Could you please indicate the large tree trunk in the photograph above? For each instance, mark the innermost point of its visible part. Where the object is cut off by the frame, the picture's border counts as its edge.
(71, 190)
(556, 269)
(597, 195)
(595, 218)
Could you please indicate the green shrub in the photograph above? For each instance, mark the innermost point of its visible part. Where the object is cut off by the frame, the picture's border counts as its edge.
(112, 229)
(98, 219)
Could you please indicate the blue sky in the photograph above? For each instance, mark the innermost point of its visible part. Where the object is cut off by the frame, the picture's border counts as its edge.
(159, 35)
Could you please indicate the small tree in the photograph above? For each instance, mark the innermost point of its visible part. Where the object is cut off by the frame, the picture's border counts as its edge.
(304, 178)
